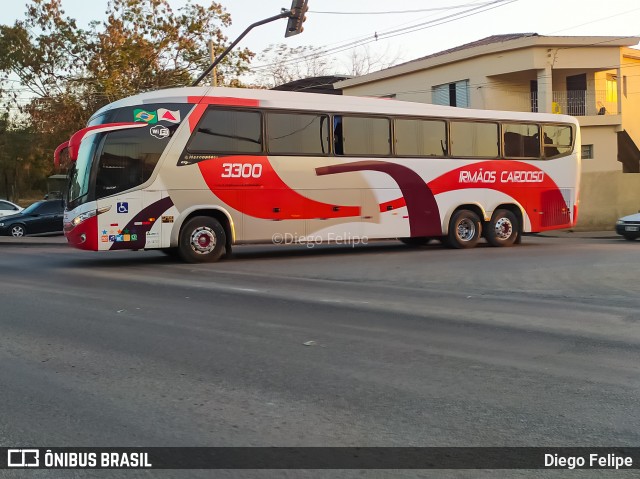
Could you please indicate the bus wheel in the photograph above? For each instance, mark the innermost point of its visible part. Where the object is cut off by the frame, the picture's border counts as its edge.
(416, 241)
(202, 240)
(502, 229)
(464, 230)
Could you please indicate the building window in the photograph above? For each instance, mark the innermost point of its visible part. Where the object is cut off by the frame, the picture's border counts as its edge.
(587, 152)
(452, 94)
(533, 95)
(612, 88)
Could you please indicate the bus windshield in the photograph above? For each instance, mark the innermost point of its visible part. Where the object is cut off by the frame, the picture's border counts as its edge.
(80, 174)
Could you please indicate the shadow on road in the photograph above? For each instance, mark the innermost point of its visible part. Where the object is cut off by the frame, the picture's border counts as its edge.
(245, 253)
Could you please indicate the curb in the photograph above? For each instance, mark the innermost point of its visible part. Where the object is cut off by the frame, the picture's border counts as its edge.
(33, 241)
(606, 234)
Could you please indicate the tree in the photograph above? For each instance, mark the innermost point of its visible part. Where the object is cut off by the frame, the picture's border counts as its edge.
(143, 45)
(64, 73)
(282, 64)
(20, 168)
(362, 60)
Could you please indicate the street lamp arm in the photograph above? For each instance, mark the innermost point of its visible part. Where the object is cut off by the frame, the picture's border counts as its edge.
(284, 14)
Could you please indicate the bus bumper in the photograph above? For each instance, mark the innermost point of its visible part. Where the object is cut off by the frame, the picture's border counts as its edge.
(83, 236)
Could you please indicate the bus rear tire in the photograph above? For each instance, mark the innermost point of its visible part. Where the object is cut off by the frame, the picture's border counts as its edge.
(202, 240)
(465, 230)
(503, 229)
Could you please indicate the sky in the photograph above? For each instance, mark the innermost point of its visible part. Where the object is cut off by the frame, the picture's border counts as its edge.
(435, 24)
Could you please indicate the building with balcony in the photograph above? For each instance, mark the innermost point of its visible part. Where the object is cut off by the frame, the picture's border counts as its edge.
(596, 79)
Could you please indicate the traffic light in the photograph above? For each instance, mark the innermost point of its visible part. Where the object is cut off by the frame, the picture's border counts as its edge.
(297, 17)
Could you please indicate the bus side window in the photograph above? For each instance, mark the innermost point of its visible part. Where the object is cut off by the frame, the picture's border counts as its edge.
(521, 140)
(338, 141)
(549, 149)
(363, 136)
(471, 139)
(558, 140)
(296, 133)
(422, 138)
(513, 144)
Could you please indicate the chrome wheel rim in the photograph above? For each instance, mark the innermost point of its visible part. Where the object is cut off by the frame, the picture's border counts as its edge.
(466, 230)
(203, 240)
(17, 231)
(503, 229)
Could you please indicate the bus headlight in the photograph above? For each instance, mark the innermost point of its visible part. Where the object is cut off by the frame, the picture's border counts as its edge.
(89, 214)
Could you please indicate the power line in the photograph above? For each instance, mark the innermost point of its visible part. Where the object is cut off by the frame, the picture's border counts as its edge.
(595, 21)
(392, 12)
(392, 33)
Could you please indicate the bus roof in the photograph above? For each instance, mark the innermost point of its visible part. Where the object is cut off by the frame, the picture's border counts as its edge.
(326, 103)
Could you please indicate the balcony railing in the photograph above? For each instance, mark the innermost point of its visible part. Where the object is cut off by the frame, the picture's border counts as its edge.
(576, 103)
(583, 103)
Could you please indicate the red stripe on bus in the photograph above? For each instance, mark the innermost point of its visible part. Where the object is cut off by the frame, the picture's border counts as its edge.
(195, 116)
(531, 187)
(266, 195)
(223, 100)
(392, 205)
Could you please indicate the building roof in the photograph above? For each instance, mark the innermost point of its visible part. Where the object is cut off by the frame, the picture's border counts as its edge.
(491, 44)
(484, 41)
(319, 84)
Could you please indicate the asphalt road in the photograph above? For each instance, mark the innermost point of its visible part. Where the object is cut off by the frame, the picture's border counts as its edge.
(536, 345)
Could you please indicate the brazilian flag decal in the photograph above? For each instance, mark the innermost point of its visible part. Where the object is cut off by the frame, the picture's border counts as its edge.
(146, 116)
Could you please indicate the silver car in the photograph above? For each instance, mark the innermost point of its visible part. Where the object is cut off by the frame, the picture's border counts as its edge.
(7, 208)
(629, 226)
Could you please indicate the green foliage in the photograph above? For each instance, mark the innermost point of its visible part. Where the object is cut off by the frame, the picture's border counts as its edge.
(54, 75)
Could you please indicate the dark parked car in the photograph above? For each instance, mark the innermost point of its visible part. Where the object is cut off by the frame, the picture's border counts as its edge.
(41, 217)
(629, 226)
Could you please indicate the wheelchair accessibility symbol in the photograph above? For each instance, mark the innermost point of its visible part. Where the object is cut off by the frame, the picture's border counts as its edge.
(123, 207)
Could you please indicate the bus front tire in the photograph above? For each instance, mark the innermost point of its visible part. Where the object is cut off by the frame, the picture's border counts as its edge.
(503, 229)
(202, 240)
(465, 230)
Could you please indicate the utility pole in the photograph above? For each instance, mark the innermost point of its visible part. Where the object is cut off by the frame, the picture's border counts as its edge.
(214, 72)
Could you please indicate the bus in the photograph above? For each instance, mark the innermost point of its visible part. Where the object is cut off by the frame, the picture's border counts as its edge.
(195, 171)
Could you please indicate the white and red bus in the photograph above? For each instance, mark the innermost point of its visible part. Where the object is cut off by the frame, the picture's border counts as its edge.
(198, 170)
